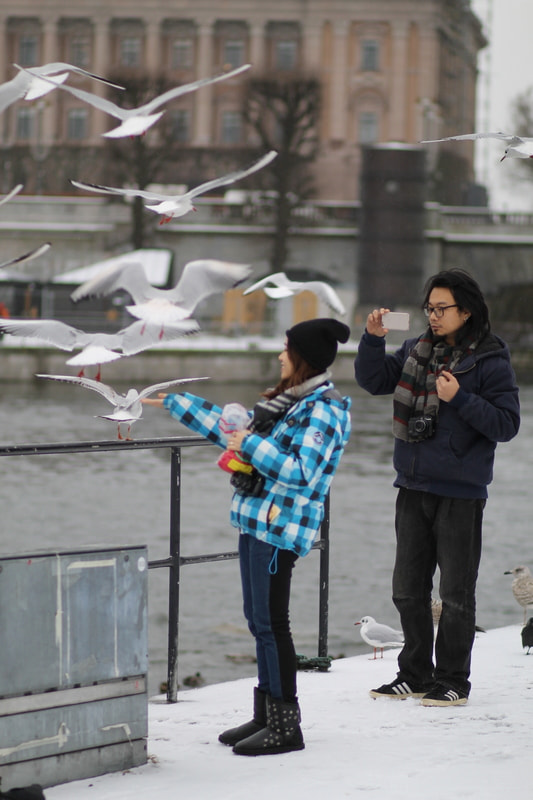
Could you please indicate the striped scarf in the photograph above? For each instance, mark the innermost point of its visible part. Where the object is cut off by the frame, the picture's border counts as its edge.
(416, 391)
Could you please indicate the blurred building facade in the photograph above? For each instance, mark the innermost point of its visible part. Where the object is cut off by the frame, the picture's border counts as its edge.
(389, 70)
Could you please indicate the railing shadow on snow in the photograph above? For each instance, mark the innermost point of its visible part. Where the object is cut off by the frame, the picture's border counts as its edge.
(175, 560)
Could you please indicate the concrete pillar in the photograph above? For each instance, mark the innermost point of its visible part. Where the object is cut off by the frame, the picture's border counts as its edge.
(257, 48)
(101, 122)
(153, 49)
(46, 107)
(4, 63)
(338, 82)
(429, 122)
(398, 95)
(312, 49)
(203, 121)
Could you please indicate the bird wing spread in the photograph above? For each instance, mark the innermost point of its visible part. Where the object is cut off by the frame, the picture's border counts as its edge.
(96, 187)
(63, 336)
(15, 190)
(129, 276)
(205, 277)
(231, 177)
(177, 91)
(142, 335)
(277, 278)
(88, 383)
(160, 387)
(38, 251)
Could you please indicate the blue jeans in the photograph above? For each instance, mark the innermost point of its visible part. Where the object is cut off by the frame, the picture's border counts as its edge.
(266, 596)
(430, 531)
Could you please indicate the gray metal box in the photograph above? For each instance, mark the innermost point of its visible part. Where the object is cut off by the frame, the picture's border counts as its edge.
(73, 664)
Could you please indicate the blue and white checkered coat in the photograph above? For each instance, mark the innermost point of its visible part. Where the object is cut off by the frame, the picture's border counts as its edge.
(298, 460)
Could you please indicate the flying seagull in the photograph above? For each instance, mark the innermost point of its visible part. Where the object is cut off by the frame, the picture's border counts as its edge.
(97, 348)
(517, 146)
(163, 307)
(378, 635)
(136, 121)
(170, 206)
(127, 407)
(278, 285)
(34, 83)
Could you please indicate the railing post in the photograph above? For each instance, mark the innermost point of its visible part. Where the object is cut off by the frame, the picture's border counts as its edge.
(323, 592)
(174, 574)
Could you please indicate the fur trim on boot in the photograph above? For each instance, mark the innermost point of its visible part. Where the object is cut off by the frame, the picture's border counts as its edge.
(281, 735)
(234, 735)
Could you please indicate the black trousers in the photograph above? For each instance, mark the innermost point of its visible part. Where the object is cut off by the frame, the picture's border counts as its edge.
(436, 531)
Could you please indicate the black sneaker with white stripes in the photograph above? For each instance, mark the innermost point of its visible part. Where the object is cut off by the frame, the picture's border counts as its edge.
(444, 696)
(399, 690)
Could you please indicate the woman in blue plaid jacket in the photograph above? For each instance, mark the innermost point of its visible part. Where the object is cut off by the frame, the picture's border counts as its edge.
(291, 449)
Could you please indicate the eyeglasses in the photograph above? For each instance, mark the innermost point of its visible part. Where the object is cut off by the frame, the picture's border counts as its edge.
(437, 310)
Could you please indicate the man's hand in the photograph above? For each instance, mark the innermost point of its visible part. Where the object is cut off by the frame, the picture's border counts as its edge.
(374, 323)
(447, 386)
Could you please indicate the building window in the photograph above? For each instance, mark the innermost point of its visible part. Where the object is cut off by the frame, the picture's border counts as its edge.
(79, 51)
(234, 53)
(231, 127)
(130, 51)
(25, 123)
(77, 124)
(370, 55)
(285, 55)
(181, 54)
(368, 127)
(180, 120)
(27, 51)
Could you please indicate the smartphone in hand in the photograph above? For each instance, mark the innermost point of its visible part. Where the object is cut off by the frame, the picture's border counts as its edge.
(395, 321)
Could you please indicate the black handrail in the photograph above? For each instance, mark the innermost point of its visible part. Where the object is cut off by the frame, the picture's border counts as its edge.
(175, 560)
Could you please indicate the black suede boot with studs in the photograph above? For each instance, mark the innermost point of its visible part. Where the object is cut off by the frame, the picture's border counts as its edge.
(281, 735)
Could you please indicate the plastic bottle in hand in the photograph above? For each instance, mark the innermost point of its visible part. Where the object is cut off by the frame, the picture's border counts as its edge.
(234, 418)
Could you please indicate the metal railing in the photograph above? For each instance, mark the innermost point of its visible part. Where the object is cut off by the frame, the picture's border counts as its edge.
(175, 560)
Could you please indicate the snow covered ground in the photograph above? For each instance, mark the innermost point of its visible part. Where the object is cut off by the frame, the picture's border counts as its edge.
(355, 746)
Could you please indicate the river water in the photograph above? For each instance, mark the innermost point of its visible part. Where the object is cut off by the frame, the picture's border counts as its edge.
(120, 498)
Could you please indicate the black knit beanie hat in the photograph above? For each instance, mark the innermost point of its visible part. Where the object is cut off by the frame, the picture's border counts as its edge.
(315, 340)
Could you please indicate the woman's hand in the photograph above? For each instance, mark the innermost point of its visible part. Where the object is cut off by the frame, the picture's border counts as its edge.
(235, 439)
(447, 386)
(374, 323)
(152, 401)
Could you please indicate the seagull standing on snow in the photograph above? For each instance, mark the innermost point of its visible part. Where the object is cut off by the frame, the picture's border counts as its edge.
(379, 636)
(283, 287)
(136, 121)
(522, 587)
(162, 307)
(517, 146)
(170, 206)
(30, 85)
(128, 407)
(96, 348)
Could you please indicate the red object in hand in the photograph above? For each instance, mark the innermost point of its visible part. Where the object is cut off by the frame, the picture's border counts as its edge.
(230, 461)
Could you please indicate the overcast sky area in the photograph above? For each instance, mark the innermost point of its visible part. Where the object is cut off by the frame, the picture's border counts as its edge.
(505, 72)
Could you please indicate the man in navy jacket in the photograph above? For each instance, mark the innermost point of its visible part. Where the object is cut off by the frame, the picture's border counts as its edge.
(454, 398)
